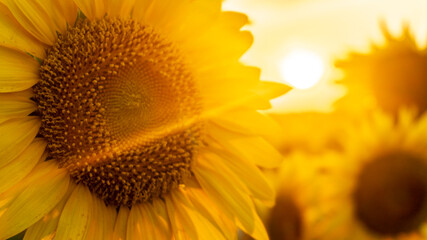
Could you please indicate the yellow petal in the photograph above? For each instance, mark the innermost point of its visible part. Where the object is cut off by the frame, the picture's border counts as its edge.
(156, 221)
(252, 123)
(92, 9)
(211, 212)
(135, 224)
(14, 36)
(18, 70)
(15, 105)
(22, 165)
(34, 202)
(234, 20)
(120, 227)
(68, 10)
(270, 90)
(182, 225)
(96, 225)
(110, 215)
(178, 19)
(45, 228)
(102, 223)
(203, 226)
(216, 183)
(76, 216)
(141, 8)
(248, 174)
(222, 84)
(257, 98)
(227, 47)
(43, 19)
(255, 149)
(242, 76)
(15, 136)
(41, 169)
(119, 8)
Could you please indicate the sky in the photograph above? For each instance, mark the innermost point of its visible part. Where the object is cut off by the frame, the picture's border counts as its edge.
(329, 28)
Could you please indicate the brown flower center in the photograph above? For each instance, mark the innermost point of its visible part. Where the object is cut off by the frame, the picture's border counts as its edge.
(285, 220)
(391, 194)
(119, 109)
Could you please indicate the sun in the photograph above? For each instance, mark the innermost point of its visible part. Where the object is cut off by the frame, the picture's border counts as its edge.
(302, 68)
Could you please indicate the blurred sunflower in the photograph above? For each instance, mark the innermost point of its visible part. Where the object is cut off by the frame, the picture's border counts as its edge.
(298, 183)
(130, 120)
(380, 190)
(389, 76)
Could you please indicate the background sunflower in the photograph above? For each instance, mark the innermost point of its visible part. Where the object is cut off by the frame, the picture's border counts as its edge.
(390, 76)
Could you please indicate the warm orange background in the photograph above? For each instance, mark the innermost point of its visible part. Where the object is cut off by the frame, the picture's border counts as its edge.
(328, 27)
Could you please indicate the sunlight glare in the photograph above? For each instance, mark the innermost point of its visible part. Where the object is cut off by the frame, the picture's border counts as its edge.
(302, 68)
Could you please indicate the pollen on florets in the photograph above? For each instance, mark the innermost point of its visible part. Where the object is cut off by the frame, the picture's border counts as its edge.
(119, 110)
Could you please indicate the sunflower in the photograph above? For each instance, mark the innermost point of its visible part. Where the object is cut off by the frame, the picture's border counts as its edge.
(298, 182)
(377, 189)
(390, 76)
(130, 120)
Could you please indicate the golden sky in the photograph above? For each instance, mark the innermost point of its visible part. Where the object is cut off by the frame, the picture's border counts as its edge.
(327, 27)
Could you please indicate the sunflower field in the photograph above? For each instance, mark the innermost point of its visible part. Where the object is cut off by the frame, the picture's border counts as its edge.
(188, 119)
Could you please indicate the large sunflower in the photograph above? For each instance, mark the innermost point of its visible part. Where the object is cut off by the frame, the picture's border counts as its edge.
(390, 76)
(130, 120)
(377, 189)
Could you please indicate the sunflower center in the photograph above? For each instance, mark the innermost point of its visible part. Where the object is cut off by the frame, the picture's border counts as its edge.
(118, 109)
(391, 194)
(285, 220)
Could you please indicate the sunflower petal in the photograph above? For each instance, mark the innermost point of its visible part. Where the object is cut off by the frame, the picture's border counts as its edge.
(34, 202)
(178, 19)
(18, 71)
(120, 226)
(8, 196)
(156, 212)
(153, 222)
(14, 36)
(119, 8)
(110, 215)
(255, 149)
(68, 10)
(249, 122)
(230, 83)
(249, 174)
(92, 9)
(204, 226)
(210, 212)
(270, 90)
(76, 213)
(230, 197)
(15, 136)
(135, 224)
(101, 219)
(234, 20)
(22, 165)
(16, 105)
(39, 170)
(45, 228)
(40, 18)
(182, 225)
